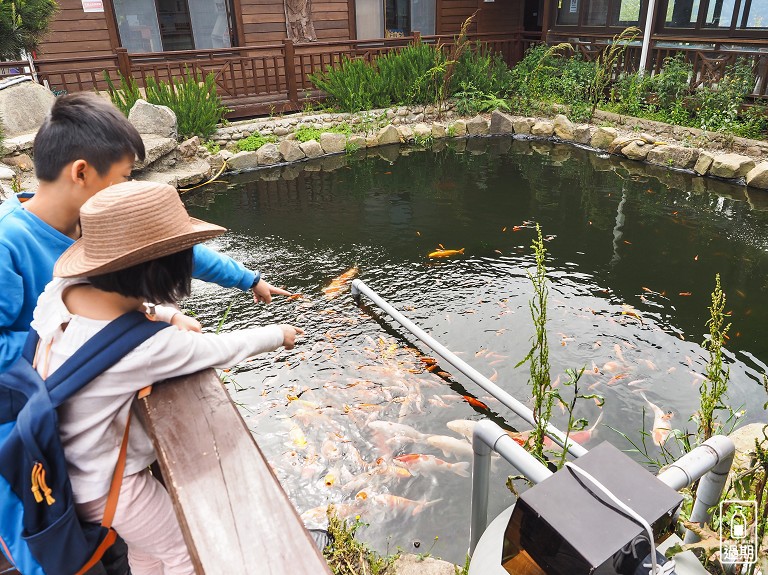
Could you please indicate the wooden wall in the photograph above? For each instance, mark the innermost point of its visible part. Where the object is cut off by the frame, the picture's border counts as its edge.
(75, 33)
(264, 21)
(498, 16)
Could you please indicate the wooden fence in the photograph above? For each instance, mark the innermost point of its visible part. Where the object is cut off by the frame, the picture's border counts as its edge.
(710, 57)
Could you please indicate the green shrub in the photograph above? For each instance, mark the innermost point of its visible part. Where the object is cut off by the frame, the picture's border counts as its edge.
(411, 74)
(353, 86)
(124, 97)
(470, 101)
(254, 142)
(486, 72)
(307, 133)
(194, 100)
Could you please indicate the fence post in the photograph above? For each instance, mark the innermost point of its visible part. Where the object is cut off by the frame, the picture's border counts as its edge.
(416, 37)
(290, 72)
(123, 62)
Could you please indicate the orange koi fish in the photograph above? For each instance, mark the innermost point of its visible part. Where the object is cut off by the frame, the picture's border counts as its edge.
(474, 402)
(418, 463)
(441, 253)
(340, 283)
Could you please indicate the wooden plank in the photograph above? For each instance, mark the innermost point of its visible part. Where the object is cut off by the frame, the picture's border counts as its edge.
(234, 514)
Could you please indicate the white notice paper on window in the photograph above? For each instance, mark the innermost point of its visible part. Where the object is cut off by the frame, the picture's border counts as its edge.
(93, 6)
(574, 5)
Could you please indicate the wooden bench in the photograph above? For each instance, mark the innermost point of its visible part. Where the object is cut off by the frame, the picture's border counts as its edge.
(235, 516)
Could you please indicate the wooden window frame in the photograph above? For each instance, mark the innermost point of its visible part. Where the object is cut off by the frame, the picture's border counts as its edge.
(704, 33)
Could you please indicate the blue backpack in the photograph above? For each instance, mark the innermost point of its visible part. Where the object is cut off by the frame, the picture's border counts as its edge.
(40, 533)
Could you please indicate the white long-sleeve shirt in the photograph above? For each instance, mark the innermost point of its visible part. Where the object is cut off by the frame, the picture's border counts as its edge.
(92, 422)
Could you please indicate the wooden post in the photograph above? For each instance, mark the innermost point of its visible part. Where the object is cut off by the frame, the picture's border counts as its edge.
(233, 513)
(545, 17)
(416, 37)
(290, 72)
(123, 62)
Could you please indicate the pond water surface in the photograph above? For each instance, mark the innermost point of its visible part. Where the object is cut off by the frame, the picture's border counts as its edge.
(632, 257)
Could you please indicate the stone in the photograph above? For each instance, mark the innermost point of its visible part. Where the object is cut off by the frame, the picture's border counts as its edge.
(402, 111)
(563, 127)
(155, 147)
(477, 126)
(333, 143)
(603, 137)
(388, 135)
(405, 132)
(409, 564)
(371, 141)
(703, 163)
(355, 142)
(648, 138)
(501, 123)
(192, 172)
(243, 161)
(311, 148)
(731, 166)
(523, 125)
(673, 156)
(422, 131)
(744, 441)
(188, 148)
(6, 173)
(459, 128)
(153, 119)
(621, 142)
(23, 107)
(582, 133)
(268, 154)
(757, 177)
(439, 130)
(217, 160)
(543, 128)
(21, 161)
(636, 150)
(291, 151)
(281, 131)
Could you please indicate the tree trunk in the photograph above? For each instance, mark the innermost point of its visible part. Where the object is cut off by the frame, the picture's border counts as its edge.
(298, 20)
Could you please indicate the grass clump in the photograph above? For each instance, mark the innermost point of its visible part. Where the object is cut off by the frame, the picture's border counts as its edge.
(348, 556)
(307, 133)
(254, 142)
(212, 147)
(193, 98)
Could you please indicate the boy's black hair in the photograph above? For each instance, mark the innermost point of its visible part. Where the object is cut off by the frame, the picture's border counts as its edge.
(84, 126)
(163, 280)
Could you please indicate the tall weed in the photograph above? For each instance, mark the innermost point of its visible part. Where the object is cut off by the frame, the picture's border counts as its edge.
(124, 97)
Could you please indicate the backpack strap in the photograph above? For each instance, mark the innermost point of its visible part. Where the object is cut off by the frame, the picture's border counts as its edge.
(99, 353)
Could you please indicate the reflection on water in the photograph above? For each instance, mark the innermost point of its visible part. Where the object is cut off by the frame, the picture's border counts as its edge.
(633, 251)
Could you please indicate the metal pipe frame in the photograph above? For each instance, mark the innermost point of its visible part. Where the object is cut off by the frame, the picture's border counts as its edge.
(359, 287)
(488, 437)
(711, 462)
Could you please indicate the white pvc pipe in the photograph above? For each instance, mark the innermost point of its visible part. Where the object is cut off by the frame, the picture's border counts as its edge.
(711, 461)
(488, 437)
(647, 37)
(358, 287)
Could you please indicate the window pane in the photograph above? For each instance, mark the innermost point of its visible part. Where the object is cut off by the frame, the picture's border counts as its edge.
(757, 16)
(423, 16)
(597, 13)
(397, 18)
(720, 13)
(625, 13)
(568, 12)
(682, 13)
(210, 23)
(369, 19)
(175, 25)
(137, 24)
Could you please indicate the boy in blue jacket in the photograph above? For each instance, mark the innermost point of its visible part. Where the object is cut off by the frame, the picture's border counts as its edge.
(84, 145)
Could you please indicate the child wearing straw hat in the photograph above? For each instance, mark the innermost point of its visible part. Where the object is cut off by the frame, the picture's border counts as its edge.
(136, 247)
(84, 145)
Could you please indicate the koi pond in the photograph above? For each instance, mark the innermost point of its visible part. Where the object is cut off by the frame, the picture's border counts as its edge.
(632, 253)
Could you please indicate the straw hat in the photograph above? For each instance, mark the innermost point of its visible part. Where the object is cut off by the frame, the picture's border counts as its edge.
(128, 224)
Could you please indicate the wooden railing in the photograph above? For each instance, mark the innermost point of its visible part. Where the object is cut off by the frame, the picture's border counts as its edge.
(234, 514)
(710, 57)
(251, 80)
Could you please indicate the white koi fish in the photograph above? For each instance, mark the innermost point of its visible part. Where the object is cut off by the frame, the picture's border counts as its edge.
(662, 422)
(463, 427)
(418, 463)
(450, 445)
(399, 504)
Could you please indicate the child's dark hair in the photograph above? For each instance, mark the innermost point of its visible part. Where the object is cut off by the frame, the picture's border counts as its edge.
(165, 279)
(84, 126)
